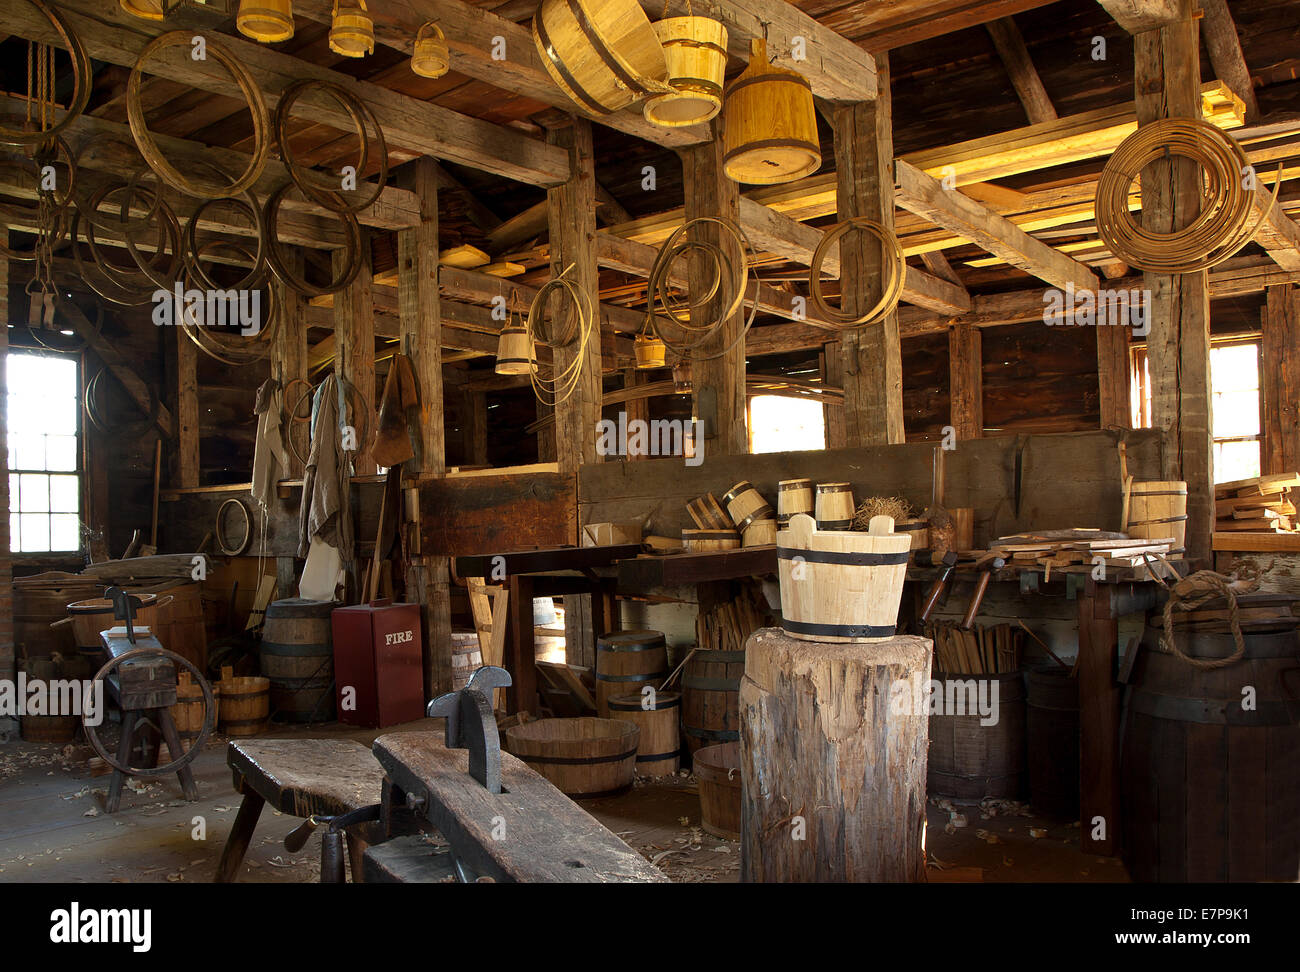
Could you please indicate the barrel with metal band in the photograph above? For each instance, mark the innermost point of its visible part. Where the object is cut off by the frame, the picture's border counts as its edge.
(834, 506)
(657, 716)
(626, 662)
(711, 698)
(793, 496)
(298, 657)
(1157, 510)
(841, 585)
(583, 757)
(745, 504)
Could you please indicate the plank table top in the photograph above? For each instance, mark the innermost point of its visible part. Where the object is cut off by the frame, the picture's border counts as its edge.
(308, 776)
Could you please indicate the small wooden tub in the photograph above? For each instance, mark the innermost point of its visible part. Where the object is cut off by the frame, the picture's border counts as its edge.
(584, 757)
(717, 770)
(658, 753)
(245, 703)
(627, 661)
(745, 505)
(187, 713)
(696, 541)
(793, 496)
(834, 506)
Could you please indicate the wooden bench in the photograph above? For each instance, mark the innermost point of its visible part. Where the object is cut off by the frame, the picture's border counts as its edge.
(299, 777)
(412, 859)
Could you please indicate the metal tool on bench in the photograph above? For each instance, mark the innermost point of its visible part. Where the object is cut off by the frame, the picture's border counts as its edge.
(472, 725)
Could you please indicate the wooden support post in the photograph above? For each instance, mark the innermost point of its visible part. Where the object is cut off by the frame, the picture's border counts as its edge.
(354, 336)
(420, 337)
(638, 409)
(8, 724)
(1114, 390)
(871, 357)
(1099, 709)
(1168, 85)
(474, 427)
(572, 216)
(1279, 377)
(833, 783)
(966, 381)
(521, 651)
(832, 365)
(718, 384)
(187, 410)
(289, 357)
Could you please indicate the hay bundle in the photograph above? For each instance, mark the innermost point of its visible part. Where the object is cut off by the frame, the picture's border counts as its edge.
(891, 506)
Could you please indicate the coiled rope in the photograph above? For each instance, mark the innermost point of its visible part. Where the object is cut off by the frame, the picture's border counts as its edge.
(560, 385)
(892, 272)
(1195, 591)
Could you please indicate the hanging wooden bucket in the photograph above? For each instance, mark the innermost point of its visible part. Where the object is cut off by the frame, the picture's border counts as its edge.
(268, 21)
(695, 49)
(969, 760)
(771, 124)
(149, 9)
(466, 657)
(717, 770)
(626, 661)
(793, 496)
(650, 351)
(430, 57)
(658, 753)
(603, 55)
(515, 352)
(245, 703)
(1157, 510)
(841, 585)
(298, 657)
(711, 697)
(352, 32)
(583, 757)
(696, 541)
(834, 507)
(760, 533)
(745, 505)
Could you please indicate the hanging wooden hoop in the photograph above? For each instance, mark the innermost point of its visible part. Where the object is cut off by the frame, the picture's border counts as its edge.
(81, 82)
(252, 97)
(280, 266)
(218, 528)
(237, 351)
(891, 274)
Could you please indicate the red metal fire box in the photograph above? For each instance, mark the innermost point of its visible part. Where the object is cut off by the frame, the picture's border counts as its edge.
(378, 669)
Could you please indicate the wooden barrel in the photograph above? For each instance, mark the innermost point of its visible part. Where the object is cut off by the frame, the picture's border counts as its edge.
(745, 505)
(793, 496)
(626, 661)
(269, 21)
(658, 752)
(717, 771)
(515, 354)
(1157, 509)
(47, 728)
(759, 533)
(711, 698)
(39, 602)
(466, 657)
(604, 55)
(583, 757)
(696, 541)
(1211, 788)
(298, 658)
(187, 713)
(771, 124)
(245, 703)
(970, 761)
(834, 507)
(841, 585)
(917, 529)
(1052, 731)
(695, 50)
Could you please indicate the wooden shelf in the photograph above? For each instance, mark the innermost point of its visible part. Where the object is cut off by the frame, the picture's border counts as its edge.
(1245, 542)
(543, 560)
(646, 573)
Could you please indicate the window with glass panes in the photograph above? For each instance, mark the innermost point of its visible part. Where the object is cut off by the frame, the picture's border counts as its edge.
(44, 480)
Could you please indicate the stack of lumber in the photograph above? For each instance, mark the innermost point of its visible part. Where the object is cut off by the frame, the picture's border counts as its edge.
(728, 626)
(1261, 505)
(993, 649)
(1074, 550)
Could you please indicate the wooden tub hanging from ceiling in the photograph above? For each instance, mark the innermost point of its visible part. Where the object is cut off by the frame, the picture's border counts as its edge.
(603, 55)
(430, 58)
(695, 49)
(771, 124)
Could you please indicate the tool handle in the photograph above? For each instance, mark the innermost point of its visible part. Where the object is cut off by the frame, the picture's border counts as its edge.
(976, 600)
(932, 598)
(298, 836)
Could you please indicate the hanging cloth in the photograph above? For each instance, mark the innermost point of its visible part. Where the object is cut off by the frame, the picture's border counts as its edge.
(270, 459)
(326, 510)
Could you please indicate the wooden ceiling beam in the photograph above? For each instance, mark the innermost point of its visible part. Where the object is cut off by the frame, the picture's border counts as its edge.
(885, 26)
(1137, 16)
(1015, 58)
(1219, 34)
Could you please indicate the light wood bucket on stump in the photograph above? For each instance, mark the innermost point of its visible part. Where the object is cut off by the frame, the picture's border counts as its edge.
(298, 658)
(1210, 789)
(793, 496)
(658, 753)
(717, 771)
(245, 703)
(466, 657)
(583, 757)
(771, 124)
(626, 662)
(695, 49)
(603, 55)
(834, 507)
(968, 760)
(1157, 509)
(711, 698)
(841, 586)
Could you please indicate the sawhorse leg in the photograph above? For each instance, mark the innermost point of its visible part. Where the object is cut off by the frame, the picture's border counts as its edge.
(241, 834)
(173, 740)
(124, 745)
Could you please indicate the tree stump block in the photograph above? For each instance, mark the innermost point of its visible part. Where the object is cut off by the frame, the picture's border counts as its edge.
(833, 774)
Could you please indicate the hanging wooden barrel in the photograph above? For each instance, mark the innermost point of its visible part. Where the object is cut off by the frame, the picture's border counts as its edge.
(515, 352)
(659, 751)
(711, 698)
(717, 771)
(1210, 787)
(759, 533)
(245, 703)
(583, 757)
(352, 31)
(187, 713)
(793, 496)
(771, 124)
(429, 55)
(1052, 731)
(695, 49)
(841, 585)
(834, 508)
(651, 352)
(604, 55)
(1157, 509)
(47, 728)
(699, 540)
(626, 661)
(268, 21)
(745, 504)
(298, 658)
(466, 657)
(969, 760)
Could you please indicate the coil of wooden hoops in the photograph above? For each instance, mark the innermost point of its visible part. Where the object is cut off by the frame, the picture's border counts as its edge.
(191, 248)
(324, 189)
(280, 266)
(892, 271)
(219, 528)
(1223, 225)
(40, 84)
(224, 347)
(126, 285)
(560, 385)
(728, 283)
(252, 96)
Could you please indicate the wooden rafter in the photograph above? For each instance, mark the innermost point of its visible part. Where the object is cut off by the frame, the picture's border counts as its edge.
(1137, 16)
(1020, 66)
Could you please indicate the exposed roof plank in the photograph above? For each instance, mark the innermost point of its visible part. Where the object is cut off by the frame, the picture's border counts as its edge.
(1020, 66)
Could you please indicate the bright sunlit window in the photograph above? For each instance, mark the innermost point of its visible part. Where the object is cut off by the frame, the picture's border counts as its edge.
(44, 485)
(781, 424)
(1234, 387)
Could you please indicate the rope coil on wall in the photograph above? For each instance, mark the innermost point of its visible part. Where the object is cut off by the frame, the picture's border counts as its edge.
(560, 385)
(892, 273)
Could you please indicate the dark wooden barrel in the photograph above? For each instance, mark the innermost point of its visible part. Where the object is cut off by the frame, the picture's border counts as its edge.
(298, 658)
(711, 698)
(1053, 737)
(626, 661)
(969, 761)
(1211, 789)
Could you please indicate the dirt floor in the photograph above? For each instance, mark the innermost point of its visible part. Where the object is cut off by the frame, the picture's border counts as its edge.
(53, 828)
